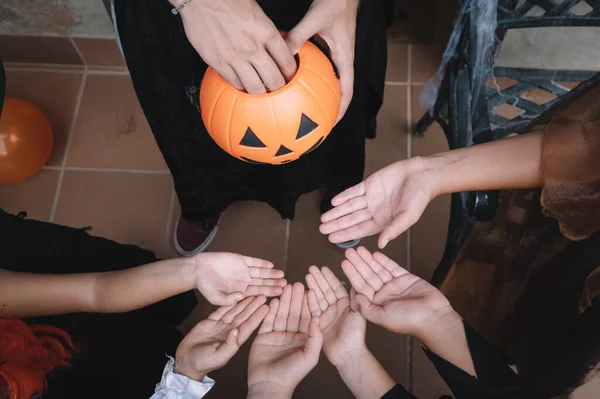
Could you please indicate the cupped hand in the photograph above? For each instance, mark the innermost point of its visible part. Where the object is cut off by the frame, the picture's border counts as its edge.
(344, 329)
(335, 22)
(392, 297)
(226, 278)
(286, 348)
(240, 42)
(388, 202)
(214, 341)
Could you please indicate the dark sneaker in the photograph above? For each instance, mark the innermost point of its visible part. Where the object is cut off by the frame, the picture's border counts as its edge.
(191, 238)
(325, 207)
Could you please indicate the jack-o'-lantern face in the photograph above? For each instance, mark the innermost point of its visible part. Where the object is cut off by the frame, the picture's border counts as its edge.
(277, 127)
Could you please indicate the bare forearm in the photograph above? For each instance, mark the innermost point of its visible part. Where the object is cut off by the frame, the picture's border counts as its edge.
(29, 295)
(135, 288)
(365, 376)
(446, 338)
(512, 163)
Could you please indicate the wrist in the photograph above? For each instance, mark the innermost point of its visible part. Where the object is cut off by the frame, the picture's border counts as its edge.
(434, 170)
(181, 367)
(349, 358)
(443, 323)
(188, 271)
(269, 390)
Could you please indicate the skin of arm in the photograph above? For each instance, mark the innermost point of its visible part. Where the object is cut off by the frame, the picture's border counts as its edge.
(512, 163)
(29, 295)
(364, 375)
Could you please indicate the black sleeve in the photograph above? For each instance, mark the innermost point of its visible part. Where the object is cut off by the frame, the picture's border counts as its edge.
(495, 379)
(398, 392)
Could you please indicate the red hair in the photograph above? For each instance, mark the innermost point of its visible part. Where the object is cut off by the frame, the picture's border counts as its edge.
(27, 355)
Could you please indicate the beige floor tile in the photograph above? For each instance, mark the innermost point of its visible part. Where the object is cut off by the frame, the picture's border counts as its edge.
(249, 228)
(434, 140)
(111, 130)
(34, 195)
(100, 52)
(309, 247)
(38, 50)
(55, 94)
(392, 131)
(397, 62)
(130, 208)
(426, 59)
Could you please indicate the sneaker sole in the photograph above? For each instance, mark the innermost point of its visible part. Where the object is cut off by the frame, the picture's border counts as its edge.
(202, 246)
(348, 244)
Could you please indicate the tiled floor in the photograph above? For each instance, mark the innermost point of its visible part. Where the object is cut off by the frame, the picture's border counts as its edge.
(106, 172)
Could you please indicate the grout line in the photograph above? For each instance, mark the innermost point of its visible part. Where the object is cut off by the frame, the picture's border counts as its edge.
(114, 170)
(60, 36)
(409, 153)
(286, 246)
(48, 167)
(93, 70)
(79, 53)
(68, 146)
(18, 67)
(166, 241)
(392, 83)
(117, 71)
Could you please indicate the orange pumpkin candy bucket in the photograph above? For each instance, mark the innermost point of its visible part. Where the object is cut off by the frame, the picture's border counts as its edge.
(277, 127)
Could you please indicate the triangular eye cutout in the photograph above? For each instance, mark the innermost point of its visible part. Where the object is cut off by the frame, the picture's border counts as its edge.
(251, 140)
(283, 151)
(306, 126)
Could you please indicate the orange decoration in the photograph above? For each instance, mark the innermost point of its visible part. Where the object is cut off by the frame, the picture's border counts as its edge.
(25, 140)
(277, 127)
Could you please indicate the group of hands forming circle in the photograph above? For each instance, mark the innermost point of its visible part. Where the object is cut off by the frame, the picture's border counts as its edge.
(297, 325)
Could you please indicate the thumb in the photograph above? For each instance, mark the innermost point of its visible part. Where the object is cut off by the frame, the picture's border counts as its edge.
(369, 311)
(227, 349)
(399, 225)
(231, 299)
(315, 339)
(301, 33)
(344, 62)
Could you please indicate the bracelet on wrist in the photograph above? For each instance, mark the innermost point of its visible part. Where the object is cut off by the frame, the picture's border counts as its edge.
(177, 10)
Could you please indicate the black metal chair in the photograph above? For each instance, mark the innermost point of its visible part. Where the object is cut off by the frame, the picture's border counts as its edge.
(466, 122)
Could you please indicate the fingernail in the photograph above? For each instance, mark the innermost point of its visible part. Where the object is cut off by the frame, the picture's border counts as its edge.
(235, 332)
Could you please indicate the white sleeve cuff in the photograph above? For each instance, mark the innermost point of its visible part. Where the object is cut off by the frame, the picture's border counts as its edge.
(177, 386)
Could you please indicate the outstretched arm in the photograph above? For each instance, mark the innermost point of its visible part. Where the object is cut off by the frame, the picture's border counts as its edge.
(29, 295)
(222, 278)
(512, 163)
(394, 198)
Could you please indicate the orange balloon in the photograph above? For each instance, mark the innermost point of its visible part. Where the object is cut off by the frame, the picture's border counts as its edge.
(25, 140)
(277, 127)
